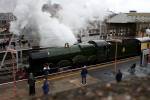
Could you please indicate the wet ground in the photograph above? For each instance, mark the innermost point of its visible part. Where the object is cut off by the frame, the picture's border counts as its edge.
(101, 85)
(134, 88)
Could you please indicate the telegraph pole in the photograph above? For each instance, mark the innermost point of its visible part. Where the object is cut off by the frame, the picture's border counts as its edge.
(116, 57)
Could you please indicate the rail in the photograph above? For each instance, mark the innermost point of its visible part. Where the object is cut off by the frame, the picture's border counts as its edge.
(91, 67)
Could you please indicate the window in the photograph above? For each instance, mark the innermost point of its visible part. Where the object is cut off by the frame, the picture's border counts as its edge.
(3, 21)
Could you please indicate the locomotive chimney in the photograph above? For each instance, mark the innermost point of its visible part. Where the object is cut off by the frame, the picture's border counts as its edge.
(132, 11)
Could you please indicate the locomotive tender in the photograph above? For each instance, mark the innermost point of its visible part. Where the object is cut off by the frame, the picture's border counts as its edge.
(75, 56)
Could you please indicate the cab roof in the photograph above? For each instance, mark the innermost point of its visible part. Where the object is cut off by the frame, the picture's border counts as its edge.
(98, 43)
(143, 39)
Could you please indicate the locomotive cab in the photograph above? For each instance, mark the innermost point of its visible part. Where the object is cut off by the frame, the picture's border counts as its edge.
(101, 49)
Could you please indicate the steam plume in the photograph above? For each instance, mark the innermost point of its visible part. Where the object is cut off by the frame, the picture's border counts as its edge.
(53, 23)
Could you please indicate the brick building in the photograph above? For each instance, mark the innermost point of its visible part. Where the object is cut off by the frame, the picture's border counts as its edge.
(128, 24)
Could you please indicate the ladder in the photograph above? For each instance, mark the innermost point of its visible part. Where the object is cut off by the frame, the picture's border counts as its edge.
(13, 60)
(11, 50)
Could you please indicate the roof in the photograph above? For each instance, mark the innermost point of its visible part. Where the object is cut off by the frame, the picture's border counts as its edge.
(116, 40)
(139, 14)
(129, 18)
(7, 16)
(99, 43)
(85, 45)
(144, 39)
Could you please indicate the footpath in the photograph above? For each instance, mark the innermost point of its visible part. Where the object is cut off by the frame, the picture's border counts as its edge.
(133, 87)
(7, 91)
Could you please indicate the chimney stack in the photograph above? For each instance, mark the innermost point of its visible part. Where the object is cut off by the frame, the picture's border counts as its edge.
(133, 11)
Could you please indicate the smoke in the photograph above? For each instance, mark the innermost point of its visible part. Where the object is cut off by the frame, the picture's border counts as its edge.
(51, 8)
(77, 13)
(45, 30)
(53, 23)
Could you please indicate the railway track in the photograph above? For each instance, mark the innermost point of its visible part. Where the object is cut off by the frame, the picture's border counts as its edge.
(67, 73)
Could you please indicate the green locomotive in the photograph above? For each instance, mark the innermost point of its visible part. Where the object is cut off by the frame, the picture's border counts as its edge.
(75, 56)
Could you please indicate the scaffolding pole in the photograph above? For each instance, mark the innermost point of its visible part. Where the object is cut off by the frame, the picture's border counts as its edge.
(8, 50)
(17, 59)
(2, 63)
(14, 69)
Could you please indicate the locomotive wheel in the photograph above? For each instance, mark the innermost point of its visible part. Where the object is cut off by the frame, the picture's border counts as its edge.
(62, 65)
(79, 60)
(92, 59)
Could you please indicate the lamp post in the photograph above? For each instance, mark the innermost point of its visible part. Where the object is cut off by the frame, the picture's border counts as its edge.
(116, 51)
(100, 31)
(14, 76)
(116, 57)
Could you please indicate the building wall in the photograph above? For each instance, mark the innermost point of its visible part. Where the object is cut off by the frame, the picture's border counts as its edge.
(121, 29)
(5, 19)
(140, 29)
(129, 24)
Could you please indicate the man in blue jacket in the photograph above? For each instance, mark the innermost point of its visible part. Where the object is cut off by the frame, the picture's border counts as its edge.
(84, 73)
(45, 86)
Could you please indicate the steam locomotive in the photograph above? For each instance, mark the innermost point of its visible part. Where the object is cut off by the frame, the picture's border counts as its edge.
(75, 56)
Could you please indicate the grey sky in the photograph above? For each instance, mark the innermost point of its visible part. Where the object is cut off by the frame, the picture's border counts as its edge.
(7, 5)
(113, 5)
(126, 5)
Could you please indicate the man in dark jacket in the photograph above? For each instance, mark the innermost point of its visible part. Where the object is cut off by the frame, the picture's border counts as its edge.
(132, 69)
(119, 76)
(31, 82)
(84, 73)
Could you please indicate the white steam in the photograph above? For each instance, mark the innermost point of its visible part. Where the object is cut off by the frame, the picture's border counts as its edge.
(56, 26)
(49, 30)
(7, 5)
(76, 13)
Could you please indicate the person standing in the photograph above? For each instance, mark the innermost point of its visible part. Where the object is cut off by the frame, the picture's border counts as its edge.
(45, 86)
(84, 73)
(14, 44)
(119, 76)
(46, 70)
(31, 82)
(132, 69)
(79, 38)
